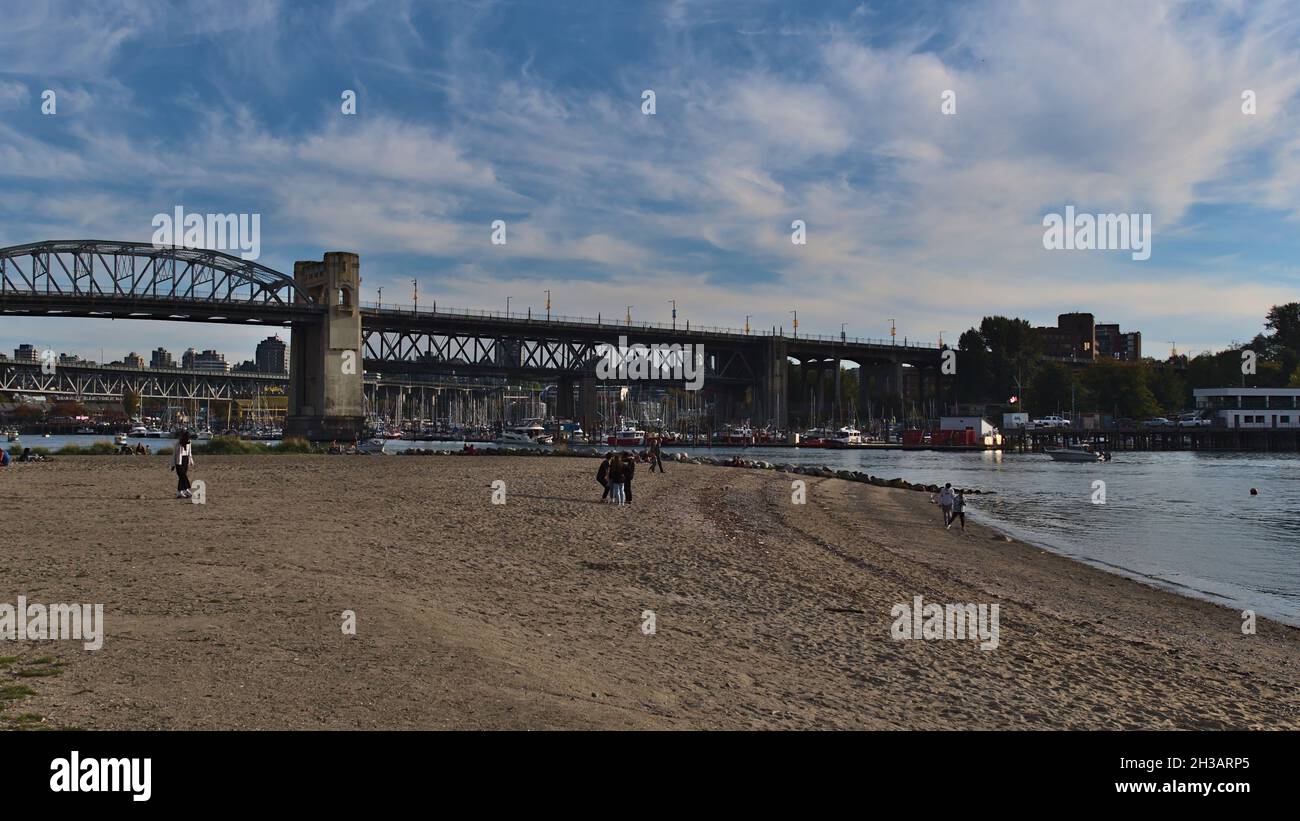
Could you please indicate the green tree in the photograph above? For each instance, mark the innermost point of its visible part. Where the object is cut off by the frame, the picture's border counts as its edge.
(1120, 389)
(1168, 387)
(974, 375)
(1014, 350)
(1052, 390)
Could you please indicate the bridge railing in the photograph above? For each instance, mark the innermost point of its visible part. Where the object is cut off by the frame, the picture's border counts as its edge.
(623, 324)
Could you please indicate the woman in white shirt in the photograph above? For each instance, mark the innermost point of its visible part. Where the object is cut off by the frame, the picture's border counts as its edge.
(181, 463)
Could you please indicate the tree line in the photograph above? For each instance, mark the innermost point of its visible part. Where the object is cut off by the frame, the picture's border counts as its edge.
(1000, 363)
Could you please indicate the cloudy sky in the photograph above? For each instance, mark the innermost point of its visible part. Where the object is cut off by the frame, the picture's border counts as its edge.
(766, 113)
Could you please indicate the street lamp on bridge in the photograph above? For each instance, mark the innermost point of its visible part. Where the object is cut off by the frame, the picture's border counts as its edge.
(629, 314)
(548, 304)
(796, 324)
(415, 295)
(843, 338)
(508, 306)
(674, 302)
(747, 318)
(892, 331)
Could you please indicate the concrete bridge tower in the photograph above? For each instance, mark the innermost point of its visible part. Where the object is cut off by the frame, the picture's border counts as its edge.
(325, 371)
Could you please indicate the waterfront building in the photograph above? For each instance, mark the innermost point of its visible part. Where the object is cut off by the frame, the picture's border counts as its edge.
(1251, 408)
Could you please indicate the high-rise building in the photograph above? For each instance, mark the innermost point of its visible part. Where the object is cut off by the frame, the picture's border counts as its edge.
(272, 355)
(1074, 337)
(161, 358)
(26, 353)
(1112, 343)
(134, 360)
(208, 360)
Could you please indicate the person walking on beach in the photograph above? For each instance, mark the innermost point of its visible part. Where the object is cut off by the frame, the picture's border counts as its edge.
(616, 468)
(602, 475)
(183, 461)
(945, 503)
(629, 470)
(958, 510)
(656, 458)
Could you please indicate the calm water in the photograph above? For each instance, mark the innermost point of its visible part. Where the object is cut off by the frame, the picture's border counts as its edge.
(1183, 521)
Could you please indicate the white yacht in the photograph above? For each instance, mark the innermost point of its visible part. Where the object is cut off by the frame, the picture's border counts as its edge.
(530, 432)
(845, 436)
(1076, 453)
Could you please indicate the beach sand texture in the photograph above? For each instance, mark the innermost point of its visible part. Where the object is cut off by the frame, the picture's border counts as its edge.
(529, 615)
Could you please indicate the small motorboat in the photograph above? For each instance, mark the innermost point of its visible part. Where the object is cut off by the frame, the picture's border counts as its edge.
(372, 445)
(1076, 453)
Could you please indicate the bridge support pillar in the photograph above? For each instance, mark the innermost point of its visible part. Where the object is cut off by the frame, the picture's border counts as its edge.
(774, 386)
(325, 373)
(587, 404)
(564, 399)
(838, 397)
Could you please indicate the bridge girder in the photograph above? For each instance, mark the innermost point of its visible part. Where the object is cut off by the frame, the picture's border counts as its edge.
(139, 280)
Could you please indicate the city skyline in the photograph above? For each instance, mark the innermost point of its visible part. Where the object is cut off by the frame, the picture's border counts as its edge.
(833, 117)
(265, 349)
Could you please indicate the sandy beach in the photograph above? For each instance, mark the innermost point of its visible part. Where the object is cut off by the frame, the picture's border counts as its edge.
(530, 614)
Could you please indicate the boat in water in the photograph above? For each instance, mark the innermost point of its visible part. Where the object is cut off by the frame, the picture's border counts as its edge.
(816, 438)
(627, 436)
(846, 436)
(373, 445)
(743, 435)
(530, 432)
(138, 431)
(1076, 453)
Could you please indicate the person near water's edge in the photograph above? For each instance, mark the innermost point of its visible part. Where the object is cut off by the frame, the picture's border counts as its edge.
(181, 463)
(656, 458)
(629, 470)
(945, 503)
(958, 510)
(602, 475)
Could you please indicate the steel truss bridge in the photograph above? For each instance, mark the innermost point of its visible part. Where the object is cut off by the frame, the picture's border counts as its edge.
(123, 280)
(84, 381)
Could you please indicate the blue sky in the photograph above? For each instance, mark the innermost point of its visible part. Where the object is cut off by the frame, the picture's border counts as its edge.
(766, 113)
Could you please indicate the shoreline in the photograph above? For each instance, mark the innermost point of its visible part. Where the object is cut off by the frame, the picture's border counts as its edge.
(529, 614)
(1001, 527)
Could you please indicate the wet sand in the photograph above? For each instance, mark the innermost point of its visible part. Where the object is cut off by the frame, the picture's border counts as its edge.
(529, 615)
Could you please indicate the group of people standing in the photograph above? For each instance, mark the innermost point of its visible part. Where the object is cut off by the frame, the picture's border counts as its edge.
(617, 470)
